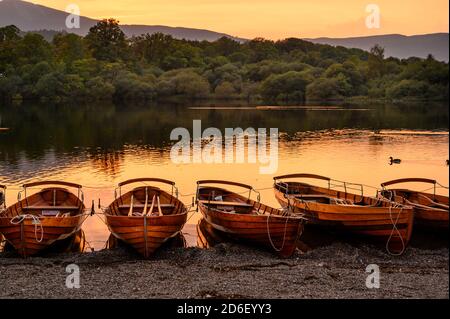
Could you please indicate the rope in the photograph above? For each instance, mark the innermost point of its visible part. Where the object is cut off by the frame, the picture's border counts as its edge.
(441, 186)
(191, 210)
(395, 228)
(89, 246)
(36, 222)
(98, 216)
(193, 194)
(88, 243)
(187, 195)
(270, 236)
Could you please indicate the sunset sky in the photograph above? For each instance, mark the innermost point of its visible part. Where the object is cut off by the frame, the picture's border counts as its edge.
(272, 19)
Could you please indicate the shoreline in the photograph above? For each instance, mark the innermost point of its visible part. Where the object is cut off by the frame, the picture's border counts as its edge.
(230, 271)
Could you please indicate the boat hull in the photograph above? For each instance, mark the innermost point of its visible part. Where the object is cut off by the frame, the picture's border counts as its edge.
(73, 244)
(431, 219)
(389, 225)
(25, 237)
(145, 234)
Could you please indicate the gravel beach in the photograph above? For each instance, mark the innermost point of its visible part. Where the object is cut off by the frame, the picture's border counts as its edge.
(229, 271)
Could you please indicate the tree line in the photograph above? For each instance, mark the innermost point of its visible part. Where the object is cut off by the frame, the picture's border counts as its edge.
(105, 64)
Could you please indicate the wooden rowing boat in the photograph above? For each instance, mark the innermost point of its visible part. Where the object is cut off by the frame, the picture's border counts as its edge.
(241, 218)
(44, 218)
(380, 219)
(146, 217)
(430, 209)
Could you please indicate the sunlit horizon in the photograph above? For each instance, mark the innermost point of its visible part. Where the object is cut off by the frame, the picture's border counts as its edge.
(272, 19)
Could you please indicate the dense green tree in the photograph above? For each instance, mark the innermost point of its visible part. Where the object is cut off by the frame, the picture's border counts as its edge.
(409, 89)
(50, 85)
(261, 49)
(225, 90)
(33, 48)
(323, 89)
(348, 73)
(290, 86)
(9, 86)
(227, 73)
(9, 33)
(97, 89)
(153, 48)
(107, 41)
(9, 37)
(105, 64)
(183, 82)
(376, 61)
(129, 86)
(69, 48)
(86, 68)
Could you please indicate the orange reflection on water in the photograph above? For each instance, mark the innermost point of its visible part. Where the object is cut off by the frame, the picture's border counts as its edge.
(349, 155)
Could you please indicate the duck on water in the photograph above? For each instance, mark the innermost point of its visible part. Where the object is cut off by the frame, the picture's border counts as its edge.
(394, 160)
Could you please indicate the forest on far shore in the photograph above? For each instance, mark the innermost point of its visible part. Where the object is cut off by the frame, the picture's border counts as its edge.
(106, 65)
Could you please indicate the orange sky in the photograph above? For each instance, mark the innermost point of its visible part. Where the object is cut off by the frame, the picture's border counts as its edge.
(273, 19)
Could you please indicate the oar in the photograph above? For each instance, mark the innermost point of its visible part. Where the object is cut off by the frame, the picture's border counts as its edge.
(432, 202)
(146, 202)
(130, 213)
(151, 208)
(159, 206)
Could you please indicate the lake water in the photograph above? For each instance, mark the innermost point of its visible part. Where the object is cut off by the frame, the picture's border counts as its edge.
(99, 146)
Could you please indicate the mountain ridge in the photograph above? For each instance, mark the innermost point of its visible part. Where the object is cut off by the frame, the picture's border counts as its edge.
(31, 17)
(397, 45)
(28, 16)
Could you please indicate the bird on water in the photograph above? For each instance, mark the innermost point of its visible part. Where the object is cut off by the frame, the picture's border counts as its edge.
(394, 160)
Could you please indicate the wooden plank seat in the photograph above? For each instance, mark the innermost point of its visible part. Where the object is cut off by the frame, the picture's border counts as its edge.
(50, 208)
(311, 196)
(222, 203)
(325, 199)
(163, 206)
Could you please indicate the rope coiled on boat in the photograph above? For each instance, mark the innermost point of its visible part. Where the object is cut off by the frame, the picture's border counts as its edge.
(16, 220)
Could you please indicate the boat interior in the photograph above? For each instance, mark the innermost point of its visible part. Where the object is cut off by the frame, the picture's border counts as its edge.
(310, 193)
(49, 202)
(418, 198)
(229, 202)
(147, 201)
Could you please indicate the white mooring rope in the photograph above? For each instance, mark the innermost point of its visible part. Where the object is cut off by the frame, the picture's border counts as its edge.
(35, 221)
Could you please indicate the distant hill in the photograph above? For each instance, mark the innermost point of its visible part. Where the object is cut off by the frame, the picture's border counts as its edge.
(31, 17)
(47, 21)
(397, 45)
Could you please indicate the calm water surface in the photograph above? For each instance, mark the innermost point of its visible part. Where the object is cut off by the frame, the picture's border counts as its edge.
(100, 145)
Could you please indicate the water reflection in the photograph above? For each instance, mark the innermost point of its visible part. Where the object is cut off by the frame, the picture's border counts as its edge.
(99, 146)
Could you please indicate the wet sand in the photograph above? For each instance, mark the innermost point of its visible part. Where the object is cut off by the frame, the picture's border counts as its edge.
(337, 270)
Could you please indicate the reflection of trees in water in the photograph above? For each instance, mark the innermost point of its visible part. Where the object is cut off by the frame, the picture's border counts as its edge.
(108, 163)
(35, 129)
